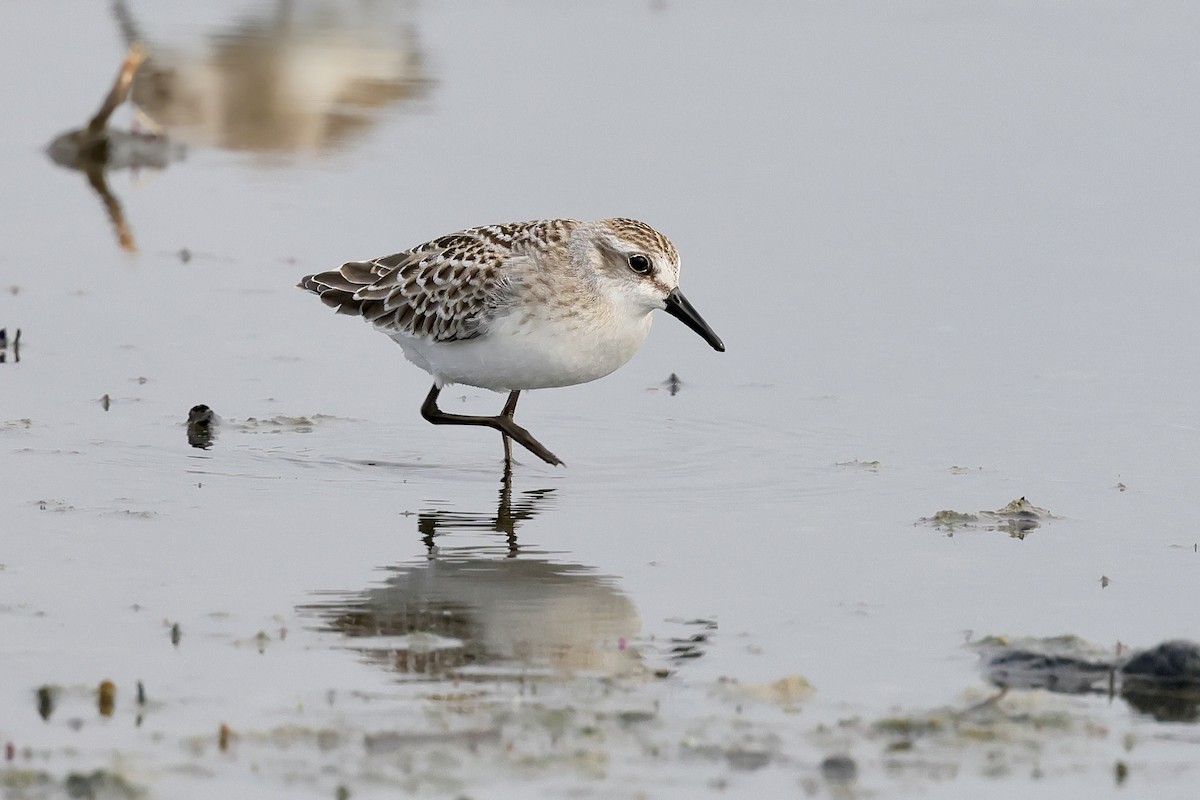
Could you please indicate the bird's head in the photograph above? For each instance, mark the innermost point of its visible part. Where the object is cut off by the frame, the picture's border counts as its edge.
(640, 266)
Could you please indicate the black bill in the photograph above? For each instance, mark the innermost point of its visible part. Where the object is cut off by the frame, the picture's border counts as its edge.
(681, 309)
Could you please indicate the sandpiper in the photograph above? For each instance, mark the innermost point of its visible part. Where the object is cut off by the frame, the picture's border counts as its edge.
(525, 305)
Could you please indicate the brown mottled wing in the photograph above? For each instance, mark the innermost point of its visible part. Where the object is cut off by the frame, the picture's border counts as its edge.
(446, 289)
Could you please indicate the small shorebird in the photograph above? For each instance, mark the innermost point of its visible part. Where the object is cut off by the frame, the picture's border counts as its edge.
(527, 305)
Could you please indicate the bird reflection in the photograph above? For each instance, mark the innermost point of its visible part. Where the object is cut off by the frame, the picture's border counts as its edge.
(431, 523)
(492, 609)
(291, 77)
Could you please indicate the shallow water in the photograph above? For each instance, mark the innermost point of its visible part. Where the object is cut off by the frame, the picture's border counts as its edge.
(948, 247)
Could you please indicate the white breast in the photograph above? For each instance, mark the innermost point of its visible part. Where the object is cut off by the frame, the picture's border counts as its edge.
(521, 352)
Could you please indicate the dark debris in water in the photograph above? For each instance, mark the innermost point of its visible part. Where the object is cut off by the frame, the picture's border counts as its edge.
(693, 644)
(202, 426)
(839, 769)
(1016, 519)
(688, 647)
(8, 347)
(1163, 681)
(1173, 662)
(106, 698)
(47, 698)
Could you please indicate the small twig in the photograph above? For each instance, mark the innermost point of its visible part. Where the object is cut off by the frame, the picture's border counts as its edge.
(120, 88)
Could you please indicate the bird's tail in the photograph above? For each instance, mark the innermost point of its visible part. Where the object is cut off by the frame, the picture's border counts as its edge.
(337, 288)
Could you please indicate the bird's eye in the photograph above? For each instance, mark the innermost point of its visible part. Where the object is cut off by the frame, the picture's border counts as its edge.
(639, 263)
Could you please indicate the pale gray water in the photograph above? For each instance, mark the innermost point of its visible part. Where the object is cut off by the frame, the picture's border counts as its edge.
(956, 239)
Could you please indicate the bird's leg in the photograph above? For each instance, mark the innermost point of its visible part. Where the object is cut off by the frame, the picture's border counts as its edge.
(510, 408)
(503, 423)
